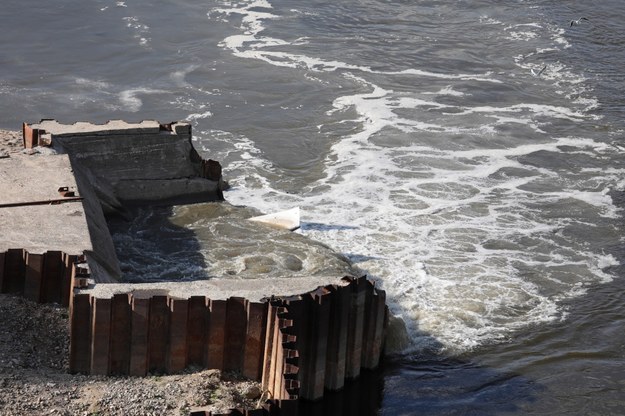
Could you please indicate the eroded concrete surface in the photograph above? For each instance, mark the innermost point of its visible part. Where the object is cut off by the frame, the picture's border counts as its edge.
(28, 179)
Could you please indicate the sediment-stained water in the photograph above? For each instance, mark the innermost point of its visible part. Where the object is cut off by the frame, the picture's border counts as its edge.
(468, 156)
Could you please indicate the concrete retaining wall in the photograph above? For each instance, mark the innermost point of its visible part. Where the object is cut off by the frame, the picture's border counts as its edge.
(133, 163)
(117, 164)
(298, 346)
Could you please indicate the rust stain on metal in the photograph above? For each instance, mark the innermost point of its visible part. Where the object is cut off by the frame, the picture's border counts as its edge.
(43, 202)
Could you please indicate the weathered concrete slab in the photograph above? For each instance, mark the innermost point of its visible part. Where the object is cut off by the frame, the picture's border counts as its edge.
(218, 289)
(113, 127)
(28, 179)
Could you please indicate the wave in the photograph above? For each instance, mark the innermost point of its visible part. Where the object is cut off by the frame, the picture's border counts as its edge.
(472, 228)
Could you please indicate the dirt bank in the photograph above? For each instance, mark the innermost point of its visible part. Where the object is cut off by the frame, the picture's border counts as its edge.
(34, 347)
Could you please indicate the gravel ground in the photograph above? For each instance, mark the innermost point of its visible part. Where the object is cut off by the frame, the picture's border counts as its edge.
(10, 142)
(34, 379)
(34, 350)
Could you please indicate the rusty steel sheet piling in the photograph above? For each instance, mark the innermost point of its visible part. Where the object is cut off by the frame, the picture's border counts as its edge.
(298, 346)
(40, 277)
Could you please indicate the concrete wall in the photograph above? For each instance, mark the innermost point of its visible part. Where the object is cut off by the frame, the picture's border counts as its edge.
(117, 164)
(298, 346)
(133, 163)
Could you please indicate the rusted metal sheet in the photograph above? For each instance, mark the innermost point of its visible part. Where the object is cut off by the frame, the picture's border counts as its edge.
(337, 338)
(236, 334)
(100, 335)
(30, 136)
(196, 330)
(14, 269)
(158, 334)
(297, 346)
(254, 341)
(318, 321)
(355, 328)
(120, 334)
(80, 334)
(269, 354)
(140, 319)
(52, 277)
(177, 354)
(33, 277)
(2, 274)
(374, 328)
(69, 270)
(216, 334)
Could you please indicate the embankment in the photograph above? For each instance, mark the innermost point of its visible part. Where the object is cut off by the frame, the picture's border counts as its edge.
(311, 335)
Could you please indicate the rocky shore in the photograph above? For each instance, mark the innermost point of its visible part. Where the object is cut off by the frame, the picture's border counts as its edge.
(34, 378)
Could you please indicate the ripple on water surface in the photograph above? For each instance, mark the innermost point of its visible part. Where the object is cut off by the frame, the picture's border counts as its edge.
(201, 241)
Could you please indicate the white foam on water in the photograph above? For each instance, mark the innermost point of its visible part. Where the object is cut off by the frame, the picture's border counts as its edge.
(469, 242)
(141, 30)
(448, 90)
(421, 238)
(489, 20)
(199, 116)
(179, 77)
(251, 45)
(130, 99)
(535, 109)
(99, 85)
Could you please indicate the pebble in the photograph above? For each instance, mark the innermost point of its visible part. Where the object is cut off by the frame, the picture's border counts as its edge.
(34, 339)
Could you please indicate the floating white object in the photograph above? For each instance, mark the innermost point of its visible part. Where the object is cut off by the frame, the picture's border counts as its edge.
(288, 219)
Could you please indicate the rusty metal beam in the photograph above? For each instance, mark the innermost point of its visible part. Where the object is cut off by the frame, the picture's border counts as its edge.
(42, 202)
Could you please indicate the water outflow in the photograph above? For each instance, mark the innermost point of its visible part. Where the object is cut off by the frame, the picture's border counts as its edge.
(473, 187)
(215, 240)
(466, 155)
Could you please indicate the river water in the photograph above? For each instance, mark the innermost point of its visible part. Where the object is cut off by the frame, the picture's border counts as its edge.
(466, 155)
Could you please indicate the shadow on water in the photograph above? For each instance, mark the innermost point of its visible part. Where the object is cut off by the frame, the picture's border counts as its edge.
(429, 384)
(362, 397)
(572, 365)
(579, 360)
(439, 385)
(151, 248)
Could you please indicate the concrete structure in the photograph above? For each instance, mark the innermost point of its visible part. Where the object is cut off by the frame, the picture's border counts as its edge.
(44, 228)
(297, 345)
(133, 163)
(118, 164)
(298, 336)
